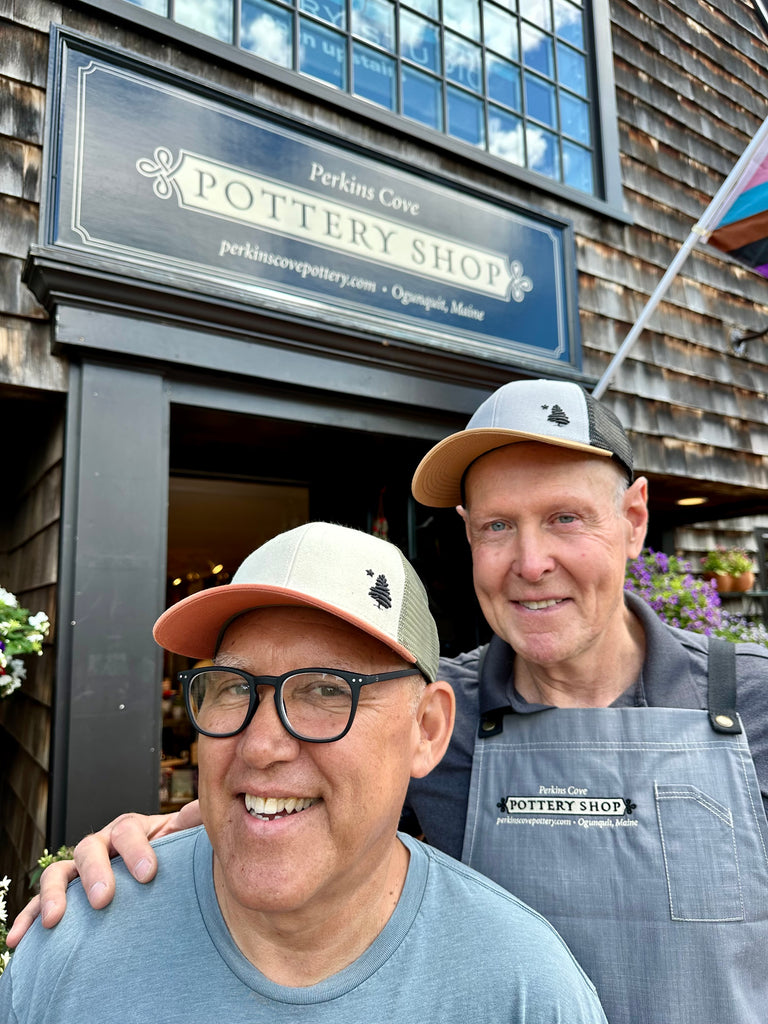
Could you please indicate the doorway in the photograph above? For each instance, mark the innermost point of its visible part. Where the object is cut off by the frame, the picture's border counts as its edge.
(237, 480)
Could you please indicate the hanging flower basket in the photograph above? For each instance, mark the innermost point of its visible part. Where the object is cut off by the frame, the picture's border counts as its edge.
(20, 633)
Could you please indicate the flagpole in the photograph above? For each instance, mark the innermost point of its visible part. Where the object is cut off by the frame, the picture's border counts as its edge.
(700, 232)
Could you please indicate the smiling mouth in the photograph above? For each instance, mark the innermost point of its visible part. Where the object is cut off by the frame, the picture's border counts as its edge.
(269, 808)
(535, 606)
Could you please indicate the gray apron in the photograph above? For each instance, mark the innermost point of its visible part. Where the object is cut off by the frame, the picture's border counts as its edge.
(640, 834)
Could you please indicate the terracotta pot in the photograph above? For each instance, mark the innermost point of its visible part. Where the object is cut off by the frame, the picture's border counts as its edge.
(724, 583)
(743, 582)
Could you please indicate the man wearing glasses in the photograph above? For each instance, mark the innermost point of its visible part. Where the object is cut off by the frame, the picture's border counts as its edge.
(298, 900)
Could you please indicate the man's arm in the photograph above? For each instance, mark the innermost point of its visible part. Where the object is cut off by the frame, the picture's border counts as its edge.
(127, 836)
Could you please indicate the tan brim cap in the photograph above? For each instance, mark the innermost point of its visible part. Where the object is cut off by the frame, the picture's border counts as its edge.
(437, 480)
(558, 413)
(352, 575)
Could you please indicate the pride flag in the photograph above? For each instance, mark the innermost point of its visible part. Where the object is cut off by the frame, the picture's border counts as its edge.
(736, 222)
(740, 224)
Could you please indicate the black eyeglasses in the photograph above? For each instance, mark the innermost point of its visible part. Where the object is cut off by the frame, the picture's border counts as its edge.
(316, 705)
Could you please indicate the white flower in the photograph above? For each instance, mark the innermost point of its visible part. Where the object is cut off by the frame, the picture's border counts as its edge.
(20, 634)
(11, 681)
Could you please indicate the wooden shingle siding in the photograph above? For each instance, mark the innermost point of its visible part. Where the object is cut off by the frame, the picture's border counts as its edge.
(690, 88)
(30, 516)
(28, 568)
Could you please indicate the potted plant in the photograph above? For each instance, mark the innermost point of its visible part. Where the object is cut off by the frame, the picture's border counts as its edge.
(731, 568)
(20, 633)
(714, 567)
(739, 566)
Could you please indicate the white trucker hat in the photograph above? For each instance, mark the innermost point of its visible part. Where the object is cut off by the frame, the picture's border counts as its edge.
(553, 412)
(355, 576)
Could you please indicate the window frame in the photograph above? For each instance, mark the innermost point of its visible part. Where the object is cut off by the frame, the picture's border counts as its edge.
(609, 197)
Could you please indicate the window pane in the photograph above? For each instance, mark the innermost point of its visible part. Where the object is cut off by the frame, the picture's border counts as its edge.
(322, 54)
(374, 20)
(332, 11)
(420, 41)
(422, 98)
(462, 62)
(428, 7)
(505, 136)
(514, 76)
(577, 168)
(503, 82)
(374, 76)
(500, 31)
(568, 23)
(537, 50)
(574, 118)
(267, 30)
(540, 100)
(465, 117)
(536, 11)
(572, 69)
(213, 17)
(543, 155)
(463, 16)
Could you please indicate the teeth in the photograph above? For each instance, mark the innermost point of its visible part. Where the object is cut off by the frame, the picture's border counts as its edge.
(271, 807)
(535, 605)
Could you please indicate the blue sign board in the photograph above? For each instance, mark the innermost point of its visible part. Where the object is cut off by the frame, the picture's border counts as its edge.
(169, 177)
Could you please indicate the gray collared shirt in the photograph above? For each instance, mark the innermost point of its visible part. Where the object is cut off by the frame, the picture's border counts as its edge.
(674, 674)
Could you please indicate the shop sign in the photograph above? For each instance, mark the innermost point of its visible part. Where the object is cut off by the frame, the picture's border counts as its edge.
(170, 178)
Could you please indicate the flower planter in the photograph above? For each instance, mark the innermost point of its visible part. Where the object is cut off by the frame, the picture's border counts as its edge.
(743, 583)
(728, 584)
(723, 582)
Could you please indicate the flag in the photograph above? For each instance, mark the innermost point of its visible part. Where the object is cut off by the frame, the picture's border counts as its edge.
(740, 224)
(736, 222)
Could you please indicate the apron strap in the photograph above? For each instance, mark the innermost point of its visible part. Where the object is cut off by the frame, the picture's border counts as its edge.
(491, 724)
(721, 696)
(721, 691)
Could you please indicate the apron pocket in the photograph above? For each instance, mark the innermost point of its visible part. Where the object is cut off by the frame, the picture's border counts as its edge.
(700, 858)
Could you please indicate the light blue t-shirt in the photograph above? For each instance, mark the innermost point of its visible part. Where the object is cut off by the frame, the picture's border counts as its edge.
(457, 949)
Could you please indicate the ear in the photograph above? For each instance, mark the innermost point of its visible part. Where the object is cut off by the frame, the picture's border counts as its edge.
(434, 717)
(463, 513)
(635, 509)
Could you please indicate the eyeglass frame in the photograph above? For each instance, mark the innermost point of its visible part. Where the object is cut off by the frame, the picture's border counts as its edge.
(355, 680)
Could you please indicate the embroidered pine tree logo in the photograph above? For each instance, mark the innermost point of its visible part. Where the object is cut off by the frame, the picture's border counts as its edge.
(558, 416)
(380, 592)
